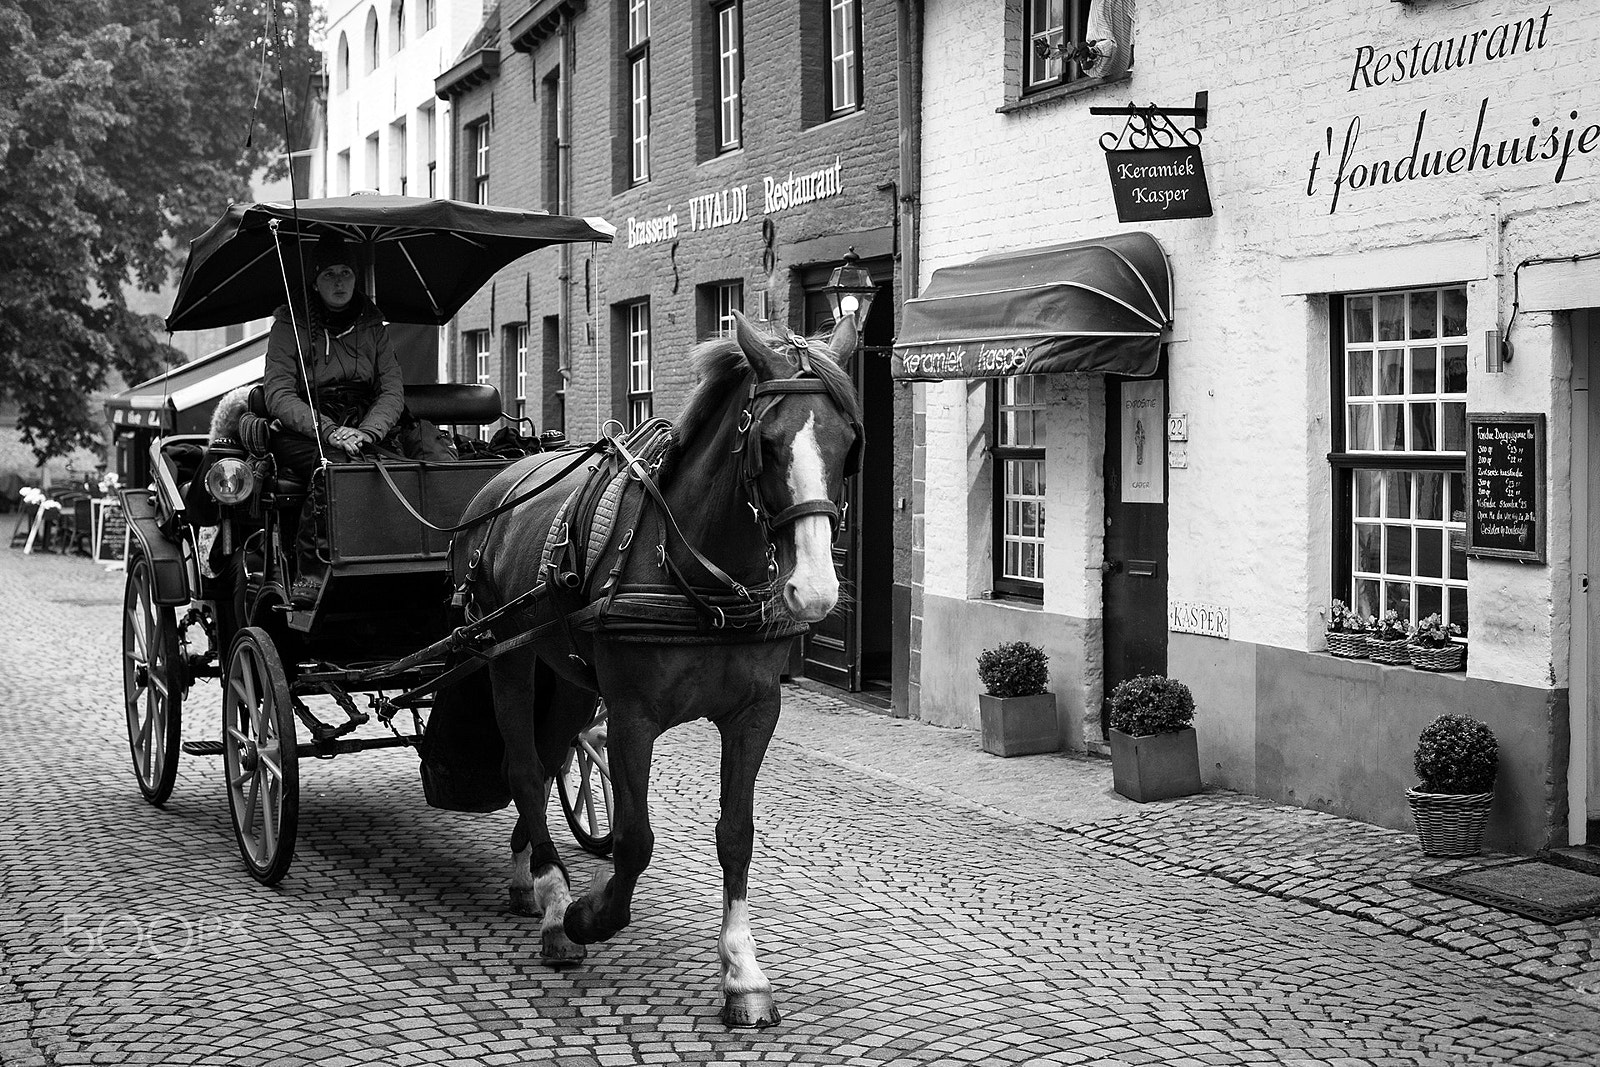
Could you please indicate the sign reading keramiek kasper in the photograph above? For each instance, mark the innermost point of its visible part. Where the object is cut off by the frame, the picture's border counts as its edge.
(1159, 183)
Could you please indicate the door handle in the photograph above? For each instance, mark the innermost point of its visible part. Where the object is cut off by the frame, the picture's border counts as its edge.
(1110, 566)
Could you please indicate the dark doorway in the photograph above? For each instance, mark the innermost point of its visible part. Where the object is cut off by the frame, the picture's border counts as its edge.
(851, 649)
(1134, 586)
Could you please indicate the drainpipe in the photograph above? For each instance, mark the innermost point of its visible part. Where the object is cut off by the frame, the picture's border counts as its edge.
(909, 82)
(569, 51)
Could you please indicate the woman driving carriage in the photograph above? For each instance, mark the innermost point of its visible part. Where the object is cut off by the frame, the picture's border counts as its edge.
(357, 394)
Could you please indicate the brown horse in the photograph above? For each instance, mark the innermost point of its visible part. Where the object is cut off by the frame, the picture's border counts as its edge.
(718, 551)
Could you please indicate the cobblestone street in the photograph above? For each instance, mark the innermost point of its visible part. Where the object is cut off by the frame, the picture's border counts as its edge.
(914, 901)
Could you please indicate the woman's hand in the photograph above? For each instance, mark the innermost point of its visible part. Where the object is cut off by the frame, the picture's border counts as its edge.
(350, 439)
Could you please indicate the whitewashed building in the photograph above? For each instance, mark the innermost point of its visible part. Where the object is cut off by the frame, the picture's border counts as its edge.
(1398, 275)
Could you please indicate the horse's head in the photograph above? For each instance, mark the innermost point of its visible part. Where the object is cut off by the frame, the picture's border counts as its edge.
(800, 437)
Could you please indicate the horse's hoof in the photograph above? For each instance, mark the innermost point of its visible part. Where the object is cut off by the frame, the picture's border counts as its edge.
(524, 902)
(557, 950)
(750, 1010)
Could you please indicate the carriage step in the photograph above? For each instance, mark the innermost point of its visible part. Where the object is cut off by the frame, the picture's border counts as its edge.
(335, 747)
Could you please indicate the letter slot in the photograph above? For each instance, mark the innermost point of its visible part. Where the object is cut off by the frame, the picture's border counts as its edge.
(1144, 568)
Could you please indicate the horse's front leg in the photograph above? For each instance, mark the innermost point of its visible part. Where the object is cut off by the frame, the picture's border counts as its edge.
(747, 995)
(630, 743)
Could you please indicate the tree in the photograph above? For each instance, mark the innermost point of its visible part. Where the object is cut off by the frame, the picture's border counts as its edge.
(126, 126)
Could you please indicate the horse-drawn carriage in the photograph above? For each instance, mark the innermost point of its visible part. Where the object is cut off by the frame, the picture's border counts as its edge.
(504, 617)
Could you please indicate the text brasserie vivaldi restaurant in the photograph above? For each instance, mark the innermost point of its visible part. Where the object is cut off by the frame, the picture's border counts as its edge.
(1178, 395)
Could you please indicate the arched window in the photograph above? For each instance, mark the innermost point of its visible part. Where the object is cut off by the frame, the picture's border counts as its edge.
(342, 64)
(372, 40)
(397, 25)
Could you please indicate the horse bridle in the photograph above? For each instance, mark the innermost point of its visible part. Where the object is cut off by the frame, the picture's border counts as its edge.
(764, 396)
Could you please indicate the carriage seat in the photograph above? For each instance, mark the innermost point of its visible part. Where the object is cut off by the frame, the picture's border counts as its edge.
(458, 403)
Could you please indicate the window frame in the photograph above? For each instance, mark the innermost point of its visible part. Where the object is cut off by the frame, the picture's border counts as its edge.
(850, 57)
(520, 339)
(729, 96)
(1074, 13)
(478, 147)
(1002, 455)
(1347, 464)
(479, 354)
(640, 368)
(341, 60)
(397, 26)
(637, 56)
(370, 42)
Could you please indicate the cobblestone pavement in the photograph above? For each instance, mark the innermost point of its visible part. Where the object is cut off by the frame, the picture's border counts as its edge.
(915, 901)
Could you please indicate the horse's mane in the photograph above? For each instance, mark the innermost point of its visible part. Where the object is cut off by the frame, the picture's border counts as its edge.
(722, 369)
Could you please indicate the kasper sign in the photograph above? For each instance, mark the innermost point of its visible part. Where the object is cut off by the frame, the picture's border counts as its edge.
(1159, 183)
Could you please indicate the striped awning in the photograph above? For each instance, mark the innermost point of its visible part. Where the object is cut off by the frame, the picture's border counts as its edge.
(1097, 306)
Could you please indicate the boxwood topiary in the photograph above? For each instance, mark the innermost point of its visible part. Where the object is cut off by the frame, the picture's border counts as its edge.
(1151, 704)
(1014, 669)
(1456, 754)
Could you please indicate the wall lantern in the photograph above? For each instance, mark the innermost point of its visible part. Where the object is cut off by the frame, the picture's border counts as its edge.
(1496, 352)
(850, 290)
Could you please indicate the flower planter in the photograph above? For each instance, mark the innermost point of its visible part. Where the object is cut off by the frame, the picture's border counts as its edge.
(1391, 652)
(1149, 767)
(1347, 645)
(1019, 726)
(1450, 824)
(1451, 657)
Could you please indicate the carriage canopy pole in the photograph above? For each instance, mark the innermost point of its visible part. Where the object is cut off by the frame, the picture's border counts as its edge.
(294, 328)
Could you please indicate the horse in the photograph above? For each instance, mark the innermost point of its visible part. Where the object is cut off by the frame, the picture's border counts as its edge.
(737, 512)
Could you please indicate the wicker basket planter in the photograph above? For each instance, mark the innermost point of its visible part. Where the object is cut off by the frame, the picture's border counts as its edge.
(1450, 824)
(1393, 652)
(1347, 645)
(1451, 657)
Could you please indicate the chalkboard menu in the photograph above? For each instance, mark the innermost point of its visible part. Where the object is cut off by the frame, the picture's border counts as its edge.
(1505, 486)
(110, 530)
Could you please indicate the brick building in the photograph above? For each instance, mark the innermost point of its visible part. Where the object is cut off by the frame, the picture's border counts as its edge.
(741, 150)
(1395, 189)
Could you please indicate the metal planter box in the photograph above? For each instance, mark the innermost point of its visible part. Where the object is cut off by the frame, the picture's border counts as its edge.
(1019, 726)
(1155, 766)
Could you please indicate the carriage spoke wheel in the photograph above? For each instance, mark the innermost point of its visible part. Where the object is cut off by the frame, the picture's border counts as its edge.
(152, 683)
(585, 788)
(258, 755)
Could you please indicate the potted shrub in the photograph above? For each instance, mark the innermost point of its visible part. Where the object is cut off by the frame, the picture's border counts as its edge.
(1154, 752)
(1347, 632)
(1017, 713)
(1456, 758)
(1434, 646)
(1388, 640)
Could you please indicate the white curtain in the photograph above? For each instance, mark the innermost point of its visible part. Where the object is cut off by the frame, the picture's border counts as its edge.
(1109, 38)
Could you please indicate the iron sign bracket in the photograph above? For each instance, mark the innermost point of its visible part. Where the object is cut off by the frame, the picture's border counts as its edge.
(1152, 127)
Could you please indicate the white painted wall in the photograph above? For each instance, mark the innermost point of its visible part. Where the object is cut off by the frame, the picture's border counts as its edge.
(1250, 515)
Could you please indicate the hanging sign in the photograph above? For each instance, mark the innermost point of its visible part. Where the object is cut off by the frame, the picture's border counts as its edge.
(1159, 183)
(1505, 486)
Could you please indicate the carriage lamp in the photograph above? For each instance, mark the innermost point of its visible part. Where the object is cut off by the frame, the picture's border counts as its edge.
(850, 290)
(230, 481)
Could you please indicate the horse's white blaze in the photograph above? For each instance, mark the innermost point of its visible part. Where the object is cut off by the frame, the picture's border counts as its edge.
(737, 949)
(813, 588)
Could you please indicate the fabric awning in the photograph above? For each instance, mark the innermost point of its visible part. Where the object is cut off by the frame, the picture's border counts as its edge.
(180, 401)
(1087, 306)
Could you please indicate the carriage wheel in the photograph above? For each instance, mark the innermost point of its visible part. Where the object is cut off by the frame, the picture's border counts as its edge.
(258, 755)
(585, 788)
(152, 683)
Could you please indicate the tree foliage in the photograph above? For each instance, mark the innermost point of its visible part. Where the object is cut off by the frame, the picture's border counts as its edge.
(126, 127)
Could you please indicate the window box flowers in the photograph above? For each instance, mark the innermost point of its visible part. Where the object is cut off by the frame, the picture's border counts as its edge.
(1389, 640)
(1347, 632)
(1434, 646)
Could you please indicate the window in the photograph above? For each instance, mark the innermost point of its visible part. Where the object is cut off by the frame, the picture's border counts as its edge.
(342, 65)
(426, 116)
(844, 56)
(1399, 452)
(554, 376)
(640, 376)
(639, 90)
(553, 119)
(430, 15)
(397, 26)
(1019, 441)
(519, 341)
(478, 146)
(1045, 26)
(341, 174)
(730, 77)
(371, 50)
(370, 175)
(478, 352)
(397, 157)
(718, 301)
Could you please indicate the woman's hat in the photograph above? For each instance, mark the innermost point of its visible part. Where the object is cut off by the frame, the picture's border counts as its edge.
(332, 251)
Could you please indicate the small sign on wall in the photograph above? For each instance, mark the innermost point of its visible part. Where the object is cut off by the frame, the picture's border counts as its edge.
(1207, 620)
(1159, 183)
(1144, 442)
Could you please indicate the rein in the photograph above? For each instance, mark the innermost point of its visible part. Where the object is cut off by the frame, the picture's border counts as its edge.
(502, 507)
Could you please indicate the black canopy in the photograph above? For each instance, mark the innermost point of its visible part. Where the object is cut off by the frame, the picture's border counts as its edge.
(1087, 306)
(427, 257)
